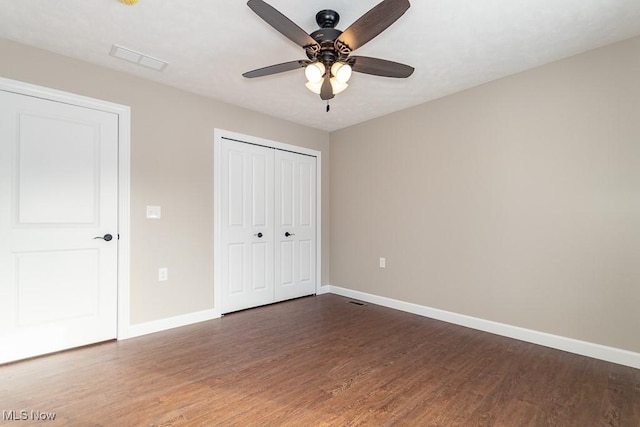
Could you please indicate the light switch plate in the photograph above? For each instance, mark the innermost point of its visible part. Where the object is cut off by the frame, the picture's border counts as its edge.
(383, 263)
(154, 212)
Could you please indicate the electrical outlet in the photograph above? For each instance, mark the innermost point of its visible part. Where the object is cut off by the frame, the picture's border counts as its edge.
(163, 274)
(383, 263)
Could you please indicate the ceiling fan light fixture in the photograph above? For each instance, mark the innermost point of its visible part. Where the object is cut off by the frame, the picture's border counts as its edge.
(341, 71)
(314, 72)
(314, 87)
(337, 85)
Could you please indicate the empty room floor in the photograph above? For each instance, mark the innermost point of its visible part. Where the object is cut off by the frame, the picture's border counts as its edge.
(320, 361)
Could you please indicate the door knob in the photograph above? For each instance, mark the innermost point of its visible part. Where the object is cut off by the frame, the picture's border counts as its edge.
(106, 237)
(287, 234)
(259, 235)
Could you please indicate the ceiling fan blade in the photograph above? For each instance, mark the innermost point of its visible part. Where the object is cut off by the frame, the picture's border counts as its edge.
(379, 67)
(326, 92)
(373, 23)
(281, 23)
(277, 68)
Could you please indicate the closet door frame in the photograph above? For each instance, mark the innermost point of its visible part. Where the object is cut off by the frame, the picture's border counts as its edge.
(219, 135)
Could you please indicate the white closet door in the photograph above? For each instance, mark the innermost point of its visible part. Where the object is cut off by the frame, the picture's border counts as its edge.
(295, 216)
(246, 225)
(58, 191)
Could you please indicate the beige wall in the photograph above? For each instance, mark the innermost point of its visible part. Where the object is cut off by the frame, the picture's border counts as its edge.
(172, 166)
(517, 201)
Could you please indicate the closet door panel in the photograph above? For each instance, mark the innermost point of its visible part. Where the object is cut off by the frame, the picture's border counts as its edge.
(295, 228)
(247, 226)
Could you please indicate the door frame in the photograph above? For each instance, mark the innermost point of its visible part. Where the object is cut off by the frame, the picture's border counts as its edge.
(219, 134)
(124, 179)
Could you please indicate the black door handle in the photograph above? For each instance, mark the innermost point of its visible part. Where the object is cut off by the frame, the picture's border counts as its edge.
(287, 234)
(106, 237)
(259, 235)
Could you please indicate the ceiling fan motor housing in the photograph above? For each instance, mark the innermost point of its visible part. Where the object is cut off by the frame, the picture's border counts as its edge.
(326, 36)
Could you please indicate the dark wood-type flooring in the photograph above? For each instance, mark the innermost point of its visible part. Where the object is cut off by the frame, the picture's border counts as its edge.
(321, 361)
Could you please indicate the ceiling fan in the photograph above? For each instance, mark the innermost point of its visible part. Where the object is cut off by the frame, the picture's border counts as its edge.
(329, 63)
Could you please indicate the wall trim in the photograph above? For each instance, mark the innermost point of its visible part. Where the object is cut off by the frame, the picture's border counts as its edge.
(583, 348)
(169, 323)
(323, 289)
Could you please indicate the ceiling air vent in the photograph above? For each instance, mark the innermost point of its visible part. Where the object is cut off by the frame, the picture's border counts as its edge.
(137, 58)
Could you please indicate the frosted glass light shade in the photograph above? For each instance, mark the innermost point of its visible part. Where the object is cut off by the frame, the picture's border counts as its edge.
(314, 72)
(314, 87)
(341, 71)
(337, 85)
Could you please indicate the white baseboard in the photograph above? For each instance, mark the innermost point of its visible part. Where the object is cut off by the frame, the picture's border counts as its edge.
(168, 323)
(584, 348)
(324, 289)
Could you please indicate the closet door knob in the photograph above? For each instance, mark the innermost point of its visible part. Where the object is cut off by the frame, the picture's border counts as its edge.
(259, 235)
(287, 234)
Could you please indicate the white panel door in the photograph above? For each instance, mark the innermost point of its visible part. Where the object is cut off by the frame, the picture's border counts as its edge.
(295, 215)
(58, 191)
(247, 231)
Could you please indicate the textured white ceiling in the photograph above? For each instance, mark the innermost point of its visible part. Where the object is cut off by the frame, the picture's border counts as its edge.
(453, 44)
